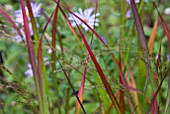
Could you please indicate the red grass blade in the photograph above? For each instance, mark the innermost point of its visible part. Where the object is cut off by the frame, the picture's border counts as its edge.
(67, 77)
(168, 37)
(53, 54)
(140, 30)
(154, 96)
(36, 38)
(102, 76)
(164, 25)
(142, 39)
(121, 99)
(54, 59)
(40, 59)
(99, 37)
(30, 46)
(134, 90)
(155, 108)
(10, 20)
(54, 29)
(109, 90)
(32, 58)
(81, 90)
(168, 97)
(45, 27)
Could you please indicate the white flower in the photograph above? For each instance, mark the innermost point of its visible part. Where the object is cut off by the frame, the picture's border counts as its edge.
(36, 8)
(86, 16)
(156, 57)
(29, 72)
(49, 51)
(167, 11)
(46, 61)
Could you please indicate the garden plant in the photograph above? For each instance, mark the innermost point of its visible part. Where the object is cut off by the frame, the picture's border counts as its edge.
(84, 57)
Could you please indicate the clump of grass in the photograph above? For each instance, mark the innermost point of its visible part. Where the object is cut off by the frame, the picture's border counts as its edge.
(87, 74)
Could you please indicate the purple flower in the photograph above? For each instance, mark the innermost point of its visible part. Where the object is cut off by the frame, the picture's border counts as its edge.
(86, 16)
(36, 8)
(104, 39)
(128, 13)
(18, 38)
(136, 1)
(168, 57)
(29, 72)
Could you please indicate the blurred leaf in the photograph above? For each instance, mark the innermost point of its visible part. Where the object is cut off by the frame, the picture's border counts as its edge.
(152, 37)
